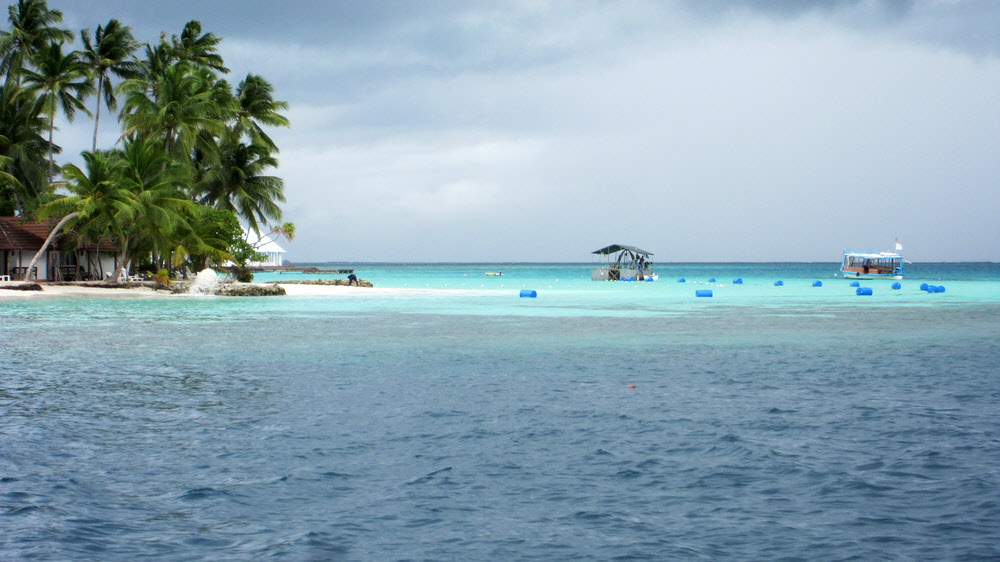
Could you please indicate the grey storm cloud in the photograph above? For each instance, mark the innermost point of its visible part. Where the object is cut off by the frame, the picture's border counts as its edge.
(705, 130)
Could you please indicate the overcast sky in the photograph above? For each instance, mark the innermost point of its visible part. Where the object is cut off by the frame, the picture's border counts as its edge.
(728, 130)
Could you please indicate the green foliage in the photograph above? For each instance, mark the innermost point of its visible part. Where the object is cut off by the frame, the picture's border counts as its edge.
(242, 274)
(194, 160)
(162, 279)
(32, 28)
(23, 149)
(243, 253)
(238, 183)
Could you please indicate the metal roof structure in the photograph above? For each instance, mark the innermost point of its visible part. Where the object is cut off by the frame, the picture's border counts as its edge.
(615, 248)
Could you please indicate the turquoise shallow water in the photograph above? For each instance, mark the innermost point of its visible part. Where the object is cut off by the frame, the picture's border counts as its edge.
(599, 420)
(566, 289)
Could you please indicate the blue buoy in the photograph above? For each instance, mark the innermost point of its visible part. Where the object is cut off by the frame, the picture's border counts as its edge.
(940, 289)
(855, 284)
(897, 286)
(738, 281)
(682, 280)
(817, 283)
(935, 289)
(779, 283)
(712, 280)
(529, 293)
(631, 278)
(703, 293)
(924, 286)
(649, 280)
(864, 291)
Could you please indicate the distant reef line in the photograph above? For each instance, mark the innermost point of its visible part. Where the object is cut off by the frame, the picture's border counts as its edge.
(338, 282)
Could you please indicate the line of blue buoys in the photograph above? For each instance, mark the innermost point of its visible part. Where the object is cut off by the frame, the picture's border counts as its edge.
(861, 291)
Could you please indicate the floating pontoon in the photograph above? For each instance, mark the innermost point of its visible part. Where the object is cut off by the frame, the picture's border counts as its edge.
(623, 263)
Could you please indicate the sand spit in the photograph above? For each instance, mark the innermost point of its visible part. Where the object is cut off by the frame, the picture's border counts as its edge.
(87, 290)
(145, 290)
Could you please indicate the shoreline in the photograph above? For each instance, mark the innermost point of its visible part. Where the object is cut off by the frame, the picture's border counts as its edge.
(144, 292)
(51, 290)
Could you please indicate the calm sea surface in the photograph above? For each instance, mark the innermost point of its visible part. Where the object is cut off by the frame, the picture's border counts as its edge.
(459, 421)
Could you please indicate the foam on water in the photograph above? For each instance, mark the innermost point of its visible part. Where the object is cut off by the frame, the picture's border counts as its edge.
(205, 283)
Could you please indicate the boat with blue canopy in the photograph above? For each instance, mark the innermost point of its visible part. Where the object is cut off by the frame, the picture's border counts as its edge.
(869, 263)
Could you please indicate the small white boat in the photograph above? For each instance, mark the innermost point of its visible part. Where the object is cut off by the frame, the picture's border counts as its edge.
(869, 263)
(495, 274)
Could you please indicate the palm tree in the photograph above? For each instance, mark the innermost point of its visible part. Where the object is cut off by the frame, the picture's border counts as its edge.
(32, 28)
(109, 53)
(64, 82)
(100, 201)
(257, 107)
(163, 207)
(22, 146)
(202, 51)
(151, 69)
(185, 103)
(238, 183)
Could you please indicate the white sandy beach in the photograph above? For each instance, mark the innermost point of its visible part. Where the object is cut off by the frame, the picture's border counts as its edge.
(291, 289)
(78, 291)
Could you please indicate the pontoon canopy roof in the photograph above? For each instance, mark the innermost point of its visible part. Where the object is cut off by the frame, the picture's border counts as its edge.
(614, 248)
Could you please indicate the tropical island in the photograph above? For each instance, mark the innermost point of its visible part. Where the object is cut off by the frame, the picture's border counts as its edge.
(187, 183)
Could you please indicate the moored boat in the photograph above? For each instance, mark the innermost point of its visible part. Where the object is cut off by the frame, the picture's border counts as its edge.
(869, 263)
(624, 263)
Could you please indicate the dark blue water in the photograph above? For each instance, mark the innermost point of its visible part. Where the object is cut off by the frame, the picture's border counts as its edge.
(301, 429)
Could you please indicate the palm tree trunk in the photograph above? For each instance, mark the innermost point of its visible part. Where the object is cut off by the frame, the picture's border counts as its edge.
(52, 126)
(122, 271)
(52, 236)
(97, 115)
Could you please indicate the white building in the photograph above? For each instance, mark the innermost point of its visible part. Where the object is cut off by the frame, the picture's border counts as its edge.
(273, 252)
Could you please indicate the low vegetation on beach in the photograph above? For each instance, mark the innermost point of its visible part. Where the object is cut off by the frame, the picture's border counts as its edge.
(328, 282)
(191, 170)
(29, 286)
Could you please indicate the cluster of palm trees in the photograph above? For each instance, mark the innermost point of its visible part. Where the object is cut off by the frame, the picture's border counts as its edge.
(191, 162)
